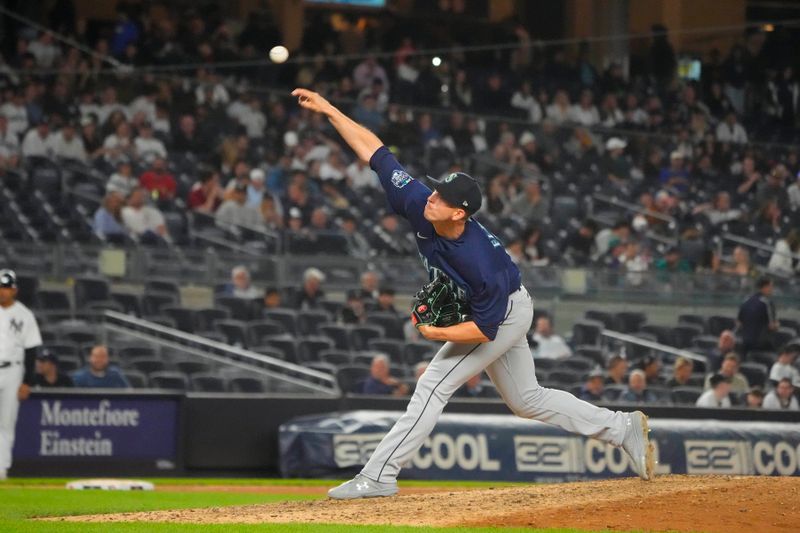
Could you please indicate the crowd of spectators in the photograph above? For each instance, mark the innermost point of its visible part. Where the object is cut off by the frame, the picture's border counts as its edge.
(536, 126)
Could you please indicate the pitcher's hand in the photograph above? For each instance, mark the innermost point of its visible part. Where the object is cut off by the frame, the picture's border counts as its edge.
(312, 101)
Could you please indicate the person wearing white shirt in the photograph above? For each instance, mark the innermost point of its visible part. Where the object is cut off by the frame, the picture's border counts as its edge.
(559, 110)
(524, 100)
(45, 52)
(148, 147)
(360, 175)
(144, 104)
(253, 120)
(781, 260)
(794, 193)
(9, 145)
(141, 219)
(35, 142)
(717, 395)
(550, 345)
(119, 144)
(782, 397)
(585, 112)
(784, 368)
(730, 131)
(109, 104)
(66, 144)
(16, 113)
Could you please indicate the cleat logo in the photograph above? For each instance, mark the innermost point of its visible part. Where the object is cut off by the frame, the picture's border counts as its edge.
(362, 485)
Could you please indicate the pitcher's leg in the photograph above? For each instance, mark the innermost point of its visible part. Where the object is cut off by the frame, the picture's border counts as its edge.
(513, 375)
(453, 365)
(9, 406)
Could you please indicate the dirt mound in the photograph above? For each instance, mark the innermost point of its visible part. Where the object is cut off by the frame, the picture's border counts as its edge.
(675, 503)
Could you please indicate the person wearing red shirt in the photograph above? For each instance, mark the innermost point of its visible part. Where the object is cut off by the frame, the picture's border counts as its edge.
(158, 181)
(206, 193)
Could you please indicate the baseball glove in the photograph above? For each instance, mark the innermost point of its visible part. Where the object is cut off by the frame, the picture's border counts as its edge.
(437, 304)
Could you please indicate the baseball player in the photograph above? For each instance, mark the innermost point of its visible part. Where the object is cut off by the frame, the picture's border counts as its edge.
(19, 336)
(493, 338)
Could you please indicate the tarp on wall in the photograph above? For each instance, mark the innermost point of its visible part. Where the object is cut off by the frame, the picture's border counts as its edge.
(507, 448)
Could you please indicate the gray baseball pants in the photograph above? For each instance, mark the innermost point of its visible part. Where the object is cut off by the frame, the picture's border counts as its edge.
(509, 363)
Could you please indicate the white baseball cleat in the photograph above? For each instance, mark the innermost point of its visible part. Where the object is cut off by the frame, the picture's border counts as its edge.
(3, 474)
(362, 487)
(637, 445)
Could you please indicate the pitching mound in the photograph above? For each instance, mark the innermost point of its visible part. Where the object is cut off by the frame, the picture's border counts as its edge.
(675, 503)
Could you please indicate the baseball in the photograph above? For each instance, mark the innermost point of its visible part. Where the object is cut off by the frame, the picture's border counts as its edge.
(279, 54)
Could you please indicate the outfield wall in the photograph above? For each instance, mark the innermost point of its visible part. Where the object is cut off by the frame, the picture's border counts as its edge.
(72, 432)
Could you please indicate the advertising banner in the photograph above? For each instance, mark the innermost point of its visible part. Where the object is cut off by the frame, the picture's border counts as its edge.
(96, 428)
(507, 448)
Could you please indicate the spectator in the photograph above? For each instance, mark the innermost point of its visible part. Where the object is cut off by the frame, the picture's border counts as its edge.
(206, 193)
(107, 222)
(616, 368)
(235, 212)
(720, 211)
(610, 239)
(756, 319)
(474, 388)
(741, 266)
(360, 176)
(730, 371)
(122, 181)
(793, 192)
(718, 395)
(755, 398)
(146, 146)
(255, 188)
(681, 372)
(353, 311)
(144, 221)
(548, 344)
(637, 392)
(730, 131)
(66, 144)
(357, 244)
(9, 146)
(380, 382)
(652, 369)
(781, 261)
(784, 366)
(272, 298)
(524, 100)
(675, 176)
(782, 397)
(312, 293)
(240, 285)
(726, 343)
(672, 263)
(585, 112)
(386, 300)
(592, 390)
(16, 113)
(44, 49)
(634, 261)
(47, 373)
(35, 143)
(578, 246)
(98, 373)
(615, 165)
(158, 180)
(531, 204)
(370, 281)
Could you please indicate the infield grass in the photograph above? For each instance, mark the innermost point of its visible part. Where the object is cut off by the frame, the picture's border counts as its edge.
(22, 499)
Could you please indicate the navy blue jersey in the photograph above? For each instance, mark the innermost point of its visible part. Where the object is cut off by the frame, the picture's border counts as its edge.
(476, 261)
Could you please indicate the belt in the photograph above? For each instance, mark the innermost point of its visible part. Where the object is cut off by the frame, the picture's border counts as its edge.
(6, 364)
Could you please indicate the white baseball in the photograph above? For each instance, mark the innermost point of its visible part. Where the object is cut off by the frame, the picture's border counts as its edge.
(279, 54)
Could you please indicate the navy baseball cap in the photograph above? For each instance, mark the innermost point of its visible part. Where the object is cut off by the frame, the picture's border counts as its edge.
(459, 190)
(8, 279)
(47, 355)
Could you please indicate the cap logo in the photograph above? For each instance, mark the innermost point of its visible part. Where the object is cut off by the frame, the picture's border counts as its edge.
(450, 178)
(465, 203)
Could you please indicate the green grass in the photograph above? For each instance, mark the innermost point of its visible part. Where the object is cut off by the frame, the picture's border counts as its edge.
(21, 499)
(257, 482)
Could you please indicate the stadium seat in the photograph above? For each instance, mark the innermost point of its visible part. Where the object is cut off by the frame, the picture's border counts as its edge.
(686, 395)
(415, 352)
(184, 318)
(763, 357)
(286, 344)
(129, 353)
(163, 287)
(153, 302)
(77, 331)
(756, 373)
(147, 365)
(257, 330)
(138, 380)
(629, 321)
(246, 385)
(693, 320)
(270, 351)
(784, 323)
(351, 377)
(240, 308)
(325, 368)
(340, 335)
(208, 316)
(287, 317)
(168, 381)
(391, 347)
(69, 363)
(605, 317)
(27, 287)
(593, 353)
(336, 357)
(131, 303)
(193, 367)
(545, 364)
(235, 331)
(683, 335)
(663, 334)
(207, 383)
(361, 335)
(91, 289)
(718, 323)
(391, 323)
(564, 378)
(53, 300)
(612, 392)
(783, 336)
(308, 320)
(587, 332)
(705, 343)
(577, 363)
(63, 349)
(309, 348)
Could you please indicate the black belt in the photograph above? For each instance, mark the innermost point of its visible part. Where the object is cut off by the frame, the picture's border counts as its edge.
(6, 364)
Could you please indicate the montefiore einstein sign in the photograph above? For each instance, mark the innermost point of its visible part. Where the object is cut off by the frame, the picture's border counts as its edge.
(97, 427)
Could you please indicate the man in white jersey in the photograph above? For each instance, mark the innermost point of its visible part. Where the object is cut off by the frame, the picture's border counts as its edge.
(19, 336)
